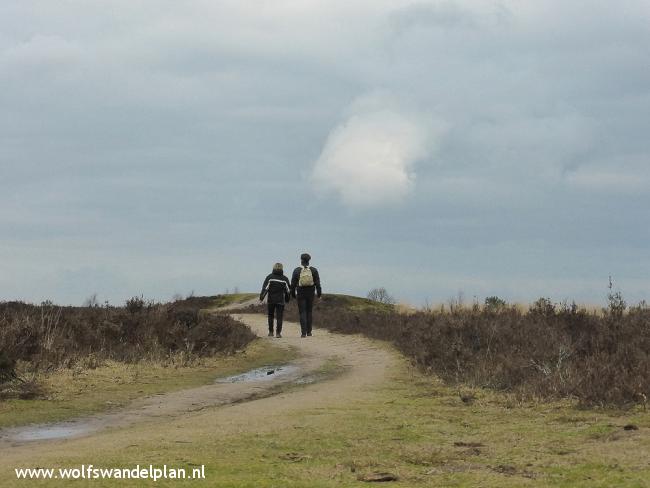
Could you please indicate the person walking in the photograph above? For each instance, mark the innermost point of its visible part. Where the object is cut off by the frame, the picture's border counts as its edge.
(276, 286)
(305, 283)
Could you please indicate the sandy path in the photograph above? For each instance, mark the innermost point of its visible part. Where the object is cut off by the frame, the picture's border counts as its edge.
(223, 406)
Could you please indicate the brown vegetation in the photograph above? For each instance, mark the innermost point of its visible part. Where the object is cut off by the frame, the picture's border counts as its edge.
(547, 351)
(46, 336)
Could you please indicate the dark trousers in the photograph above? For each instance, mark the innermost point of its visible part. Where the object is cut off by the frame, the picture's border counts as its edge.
(305, 307)
(276, 309)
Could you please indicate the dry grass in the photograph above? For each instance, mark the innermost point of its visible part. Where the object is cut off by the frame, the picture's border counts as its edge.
(66, 393)
(544, 350)
(36, 339)
(412, 426)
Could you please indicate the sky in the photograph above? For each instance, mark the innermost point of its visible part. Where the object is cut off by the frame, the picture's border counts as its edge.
(435, 148)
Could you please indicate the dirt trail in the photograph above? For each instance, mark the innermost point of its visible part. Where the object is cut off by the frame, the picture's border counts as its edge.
(367, 364)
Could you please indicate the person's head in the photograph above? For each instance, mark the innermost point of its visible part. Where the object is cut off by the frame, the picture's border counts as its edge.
(277, 268)
(305, 258)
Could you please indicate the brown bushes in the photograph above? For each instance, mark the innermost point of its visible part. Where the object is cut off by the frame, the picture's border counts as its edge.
(47, 335)
(550, 351)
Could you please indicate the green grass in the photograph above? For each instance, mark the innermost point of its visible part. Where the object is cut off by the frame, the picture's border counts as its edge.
(332, 300)
(423, 433)
(414, 427)
(72, 393)
(209, 304)
(230, 299)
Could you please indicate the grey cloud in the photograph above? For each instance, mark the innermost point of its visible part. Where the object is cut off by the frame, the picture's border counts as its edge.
(446, 14)
(151, 138)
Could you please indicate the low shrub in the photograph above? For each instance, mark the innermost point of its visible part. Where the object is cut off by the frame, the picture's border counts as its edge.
(550, 351)
(47, 336)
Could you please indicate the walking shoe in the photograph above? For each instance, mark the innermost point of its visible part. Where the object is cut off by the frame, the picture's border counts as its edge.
(278, 335)
(270, 334)
(303, 335)
(308, 334)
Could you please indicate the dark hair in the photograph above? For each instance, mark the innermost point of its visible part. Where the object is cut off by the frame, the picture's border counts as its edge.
(304, 257)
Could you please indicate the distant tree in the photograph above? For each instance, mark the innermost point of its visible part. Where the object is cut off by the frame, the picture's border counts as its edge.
(381, 295)
(135, 304)
(543, 306)
(616, 305)
(494, 303)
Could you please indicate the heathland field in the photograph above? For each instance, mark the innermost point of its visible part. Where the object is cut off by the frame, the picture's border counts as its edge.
(488, 395)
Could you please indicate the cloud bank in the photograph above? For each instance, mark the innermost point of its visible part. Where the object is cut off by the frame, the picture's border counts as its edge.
(143, 140)
(369, 158)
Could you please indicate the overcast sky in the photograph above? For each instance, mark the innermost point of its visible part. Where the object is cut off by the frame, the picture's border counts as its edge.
(431, 147)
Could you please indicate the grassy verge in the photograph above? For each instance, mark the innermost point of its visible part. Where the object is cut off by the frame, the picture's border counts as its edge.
(75, 392)
(226, 300)
(427, 436)
(414, 427)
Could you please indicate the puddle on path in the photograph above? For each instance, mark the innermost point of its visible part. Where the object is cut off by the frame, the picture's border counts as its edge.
(62, 430)
(264, 373)
(69, 429)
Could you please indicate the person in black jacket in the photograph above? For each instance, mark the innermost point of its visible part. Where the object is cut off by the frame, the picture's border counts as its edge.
(305, 283)
(276, 286)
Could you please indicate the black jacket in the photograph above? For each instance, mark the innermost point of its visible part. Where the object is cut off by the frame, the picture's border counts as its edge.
(276, 285)
(305, 290)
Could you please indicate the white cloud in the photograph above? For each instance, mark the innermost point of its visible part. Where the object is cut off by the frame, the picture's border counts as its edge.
(369, 158)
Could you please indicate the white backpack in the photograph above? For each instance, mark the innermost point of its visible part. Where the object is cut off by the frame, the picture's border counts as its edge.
(306, 277)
